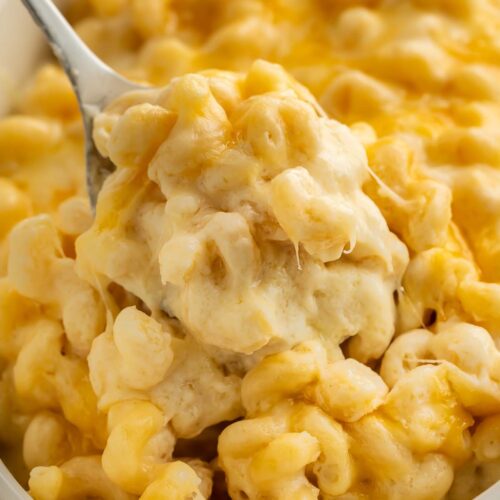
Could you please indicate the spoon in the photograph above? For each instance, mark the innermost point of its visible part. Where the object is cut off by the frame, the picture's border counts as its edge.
(95, 83)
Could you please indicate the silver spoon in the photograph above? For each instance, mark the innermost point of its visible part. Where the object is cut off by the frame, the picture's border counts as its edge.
(95, 83)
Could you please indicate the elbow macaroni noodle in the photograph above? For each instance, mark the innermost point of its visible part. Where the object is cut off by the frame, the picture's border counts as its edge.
(291, 285)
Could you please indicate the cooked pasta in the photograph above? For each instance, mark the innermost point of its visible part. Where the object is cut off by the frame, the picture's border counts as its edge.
(290, 288)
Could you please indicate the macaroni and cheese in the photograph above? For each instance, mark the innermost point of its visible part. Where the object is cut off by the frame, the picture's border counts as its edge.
(290, 288)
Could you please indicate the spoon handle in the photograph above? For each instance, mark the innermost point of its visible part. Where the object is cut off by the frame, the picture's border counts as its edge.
(95, 83)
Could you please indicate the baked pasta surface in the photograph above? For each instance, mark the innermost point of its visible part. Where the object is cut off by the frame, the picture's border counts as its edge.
(290, 288)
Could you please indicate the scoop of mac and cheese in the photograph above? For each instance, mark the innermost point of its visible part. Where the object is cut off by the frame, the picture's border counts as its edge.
(240, 212)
